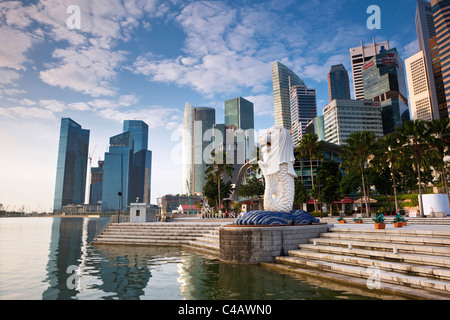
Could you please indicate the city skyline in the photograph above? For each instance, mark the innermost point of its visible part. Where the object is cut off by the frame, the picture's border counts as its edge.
(119, 66)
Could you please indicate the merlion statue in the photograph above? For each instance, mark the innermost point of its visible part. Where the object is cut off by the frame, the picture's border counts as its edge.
(277, 166)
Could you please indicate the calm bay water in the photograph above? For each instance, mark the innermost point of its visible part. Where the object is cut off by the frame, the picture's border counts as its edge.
(52, 259)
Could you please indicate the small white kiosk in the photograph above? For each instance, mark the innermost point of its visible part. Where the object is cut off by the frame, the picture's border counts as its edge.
(143, 212)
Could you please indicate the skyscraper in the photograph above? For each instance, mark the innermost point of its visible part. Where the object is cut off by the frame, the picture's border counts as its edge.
(420, 99)
(384, 81)
(139, 133)
(426, 31)
(196, 122)
(343, 117)
(239, 112)
(95, 191)
(338, 83)
(442, 25)
(359, 56)
(438, 80)
(303, 110)
(142, 161)
(117, 172)
(281, 77)
(70, 186)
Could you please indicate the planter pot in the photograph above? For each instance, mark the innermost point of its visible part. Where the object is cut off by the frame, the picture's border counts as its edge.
(342, 221)
(358, 222)
(398, 224)
(404, 223)
(380, 226)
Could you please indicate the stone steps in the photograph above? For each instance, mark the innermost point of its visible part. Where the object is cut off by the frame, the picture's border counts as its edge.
(158, 234)
(208, 243)
(414, 262)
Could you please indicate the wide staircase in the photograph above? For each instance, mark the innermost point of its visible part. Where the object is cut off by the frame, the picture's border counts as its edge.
(209, 243)
(410, 262)
(156, 234)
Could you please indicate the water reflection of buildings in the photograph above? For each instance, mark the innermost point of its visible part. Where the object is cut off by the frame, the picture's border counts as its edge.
(64, 251)
(121, 277)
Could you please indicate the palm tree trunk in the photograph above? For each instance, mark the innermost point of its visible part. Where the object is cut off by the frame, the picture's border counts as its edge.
(364, 189)
(395, 191)
(420, 189)
(301, 169)
(312, 181)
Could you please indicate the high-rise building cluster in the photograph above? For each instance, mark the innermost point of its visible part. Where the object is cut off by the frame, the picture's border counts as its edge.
(428, 71)
(205, 141)
(124, 176)
(380, 104)
(381, 101)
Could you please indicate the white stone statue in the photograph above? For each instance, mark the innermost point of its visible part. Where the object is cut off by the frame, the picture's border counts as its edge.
(277, 153)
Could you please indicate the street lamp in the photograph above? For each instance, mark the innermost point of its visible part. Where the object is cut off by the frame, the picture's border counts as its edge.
(120, 200)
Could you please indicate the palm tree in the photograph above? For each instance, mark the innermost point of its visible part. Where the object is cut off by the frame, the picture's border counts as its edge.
(216, 169)
(389, 151)
(440, 140)
(356, 152)
(300, 155)
(416, 145)
(311, 146)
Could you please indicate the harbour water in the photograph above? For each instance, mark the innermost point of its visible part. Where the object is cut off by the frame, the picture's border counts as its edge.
(45, 258)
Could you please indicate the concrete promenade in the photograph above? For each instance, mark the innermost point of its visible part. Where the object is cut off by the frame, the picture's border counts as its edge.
(412, 261)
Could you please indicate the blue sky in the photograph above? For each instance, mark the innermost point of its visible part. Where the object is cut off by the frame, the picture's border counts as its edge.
(143, 59)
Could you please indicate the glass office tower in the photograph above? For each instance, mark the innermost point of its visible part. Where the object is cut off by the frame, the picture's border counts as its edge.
(384, 81)
(282, 78)
(338, 83)
(70, 186)
(426, 31)
(139, 133)
(303, 110)
(442, 24)
(142, 166)
(239, 112)
(196, 122)
(359, 56)
(95, 192)
(117, 171)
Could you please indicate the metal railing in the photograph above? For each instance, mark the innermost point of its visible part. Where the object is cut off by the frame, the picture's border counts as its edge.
(119, 219)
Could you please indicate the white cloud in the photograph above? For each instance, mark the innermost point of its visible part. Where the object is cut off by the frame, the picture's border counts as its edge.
(263, 104)
(53, 105)
(31, 112)
(8, 76)
(157, 117)
(79, 106)
(409, 50)
(14, 46)
(88, 70)
(319, 73)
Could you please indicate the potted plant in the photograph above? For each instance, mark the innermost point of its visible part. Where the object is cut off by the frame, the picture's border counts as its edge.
(341, 220)
(398, 223)
(358, 220)
(404, 221)
(379, 222)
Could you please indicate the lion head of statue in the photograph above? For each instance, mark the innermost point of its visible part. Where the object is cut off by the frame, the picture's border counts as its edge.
(276, 148)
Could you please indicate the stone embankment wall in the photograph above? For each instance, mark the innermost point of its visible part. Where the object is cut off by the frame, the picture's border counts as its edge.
(253, 244)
